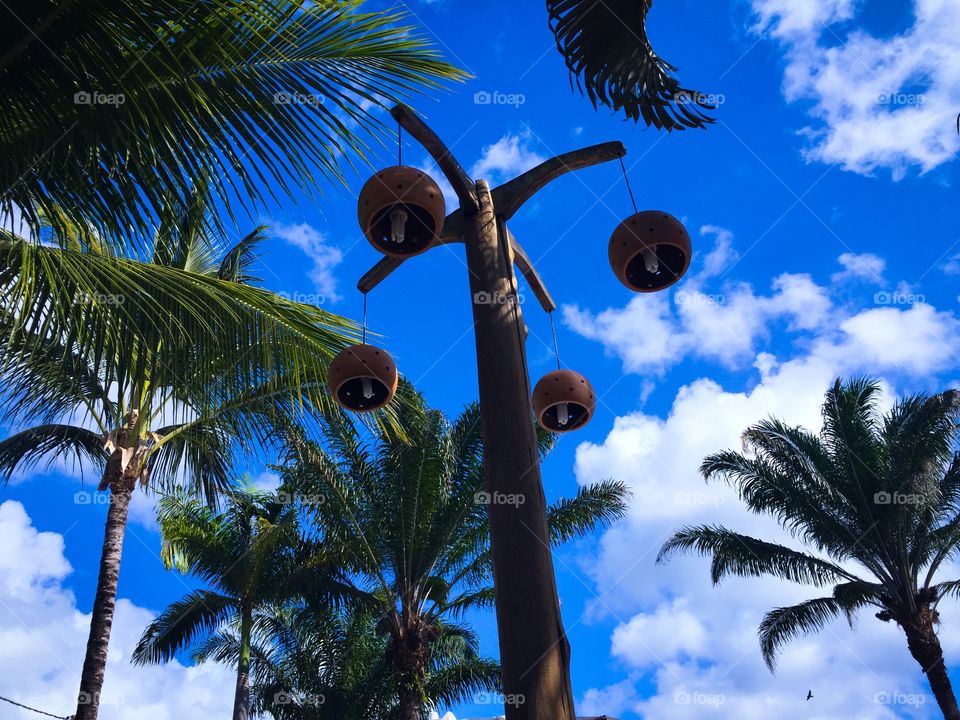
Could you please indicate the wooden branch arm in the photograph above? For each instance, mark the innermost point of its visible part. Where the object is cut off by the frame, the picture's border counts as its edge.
(533, 278)
(461, 182)
(509, 197)
(375, 275)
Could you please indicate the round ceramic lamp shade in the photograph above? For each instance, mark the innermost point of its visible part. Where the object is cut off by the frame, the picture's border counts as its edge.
(363, 378)
(563, 401)
(650, 251)
(404, 199)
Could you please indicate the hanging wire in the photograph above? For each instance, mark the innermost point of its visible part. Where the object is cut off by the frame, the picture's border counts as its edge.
(39, 712)
(399, 144)
(364, 331)
(629, 189)
(556, 345)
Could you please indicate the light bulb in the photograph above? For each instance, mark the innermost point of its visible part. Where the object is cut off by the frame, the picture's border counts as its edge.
(398, 224)
(563, 414)
(367, 385)
(650, 260)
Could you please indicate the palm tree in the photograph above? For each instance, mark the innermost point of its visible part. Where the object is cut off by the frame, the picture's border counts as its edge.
(310, 661)
(108, 105)
(410, 519)
(157, 370)
(876, 500)
(607, 51)
(254, 558)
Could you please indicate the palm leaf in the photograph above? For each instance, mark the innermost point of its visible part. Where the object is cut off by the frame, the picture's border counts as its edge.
(208, 338)
(258, 96)
(593, 507)
(744, 556)
(606, 49)
(177, 627)
(781, 625)
(44, 445)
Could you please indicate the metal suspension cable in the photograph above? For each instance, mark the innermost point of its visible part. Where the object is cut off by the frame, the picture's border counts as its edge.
(629, 189)
(364, 331)
(556, 345)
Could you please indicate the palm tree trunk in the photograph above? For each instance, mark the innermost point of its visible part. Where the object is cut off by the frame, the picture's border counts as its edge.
(101, 621)
(241, 700)
(925, 647)
(410, 702)
(409, 655)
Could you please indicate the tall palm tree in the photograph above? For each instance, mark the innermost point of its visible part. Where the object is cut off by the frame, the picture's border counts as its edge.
(107, 105)
(155, 370)
(608, 53)
(254, 558)
(410, 519)
(876, 500)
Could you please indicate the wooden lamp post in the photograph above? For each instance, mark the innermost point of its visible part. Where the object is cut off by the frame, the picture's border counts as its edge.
(534, 652)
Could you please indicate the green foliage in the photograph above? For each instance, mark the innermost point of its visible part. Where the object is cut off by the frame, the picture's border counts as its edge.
(112, 105)
(872, 496)
(213, 366)
(252, 556)
(409, 520)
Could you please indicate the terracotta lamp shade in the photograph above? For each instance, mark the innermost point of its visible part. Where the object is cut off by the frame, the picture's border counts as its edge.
(401, 211)
(563, 401)
(363, 378)
(650, 251)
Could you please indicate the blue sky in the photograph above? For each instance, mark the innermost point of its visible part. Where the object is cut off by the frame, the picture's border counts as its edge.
(823, 211)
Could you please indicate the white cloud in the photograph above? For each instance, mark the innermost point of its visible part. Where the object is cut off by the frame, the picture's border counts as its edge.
(866, 266)
(506, 158)
(43, 637)
(952, 265)
(796, 19)
(611, 700)
(918, 340)
(722, 257)
(695, 644)
(877, 102)
(267, 481)
(650, 639)
(650, 334)
(325, 256)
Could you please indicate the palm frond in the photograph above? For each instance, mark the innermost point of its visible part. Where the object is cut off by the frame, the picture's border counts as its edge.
(781, 625)
(744, 556)
(43, 378)
(461, 681)
(593, 507)
(238, 260)
(44, 445)
(177, 627)
(207, 338)
(259, 96)
(200, 453)
(609, 55)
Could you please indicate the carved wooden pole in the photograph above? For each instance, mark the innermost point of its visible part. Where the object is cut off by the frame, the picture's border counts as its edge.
(534, 652)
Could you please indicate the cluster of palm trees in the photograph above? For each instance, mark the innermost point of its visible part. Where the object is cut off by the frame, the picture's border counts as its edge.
(137, 343)
(346, 593)
(134, 338)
